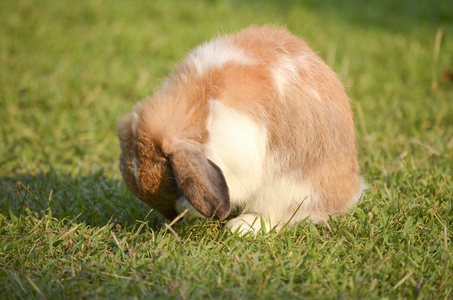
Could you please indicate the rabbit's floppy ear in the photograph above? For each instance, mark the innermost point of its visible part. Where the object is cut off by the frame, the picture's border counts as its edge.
(201, 181)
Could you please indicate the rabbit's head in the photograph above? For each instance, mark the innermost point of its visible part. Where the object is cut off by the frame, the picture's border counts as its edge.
(159, 169)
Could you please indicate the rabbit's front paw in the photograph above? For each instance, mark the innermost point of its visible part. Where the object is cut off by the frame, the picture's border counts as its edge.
(246, 223)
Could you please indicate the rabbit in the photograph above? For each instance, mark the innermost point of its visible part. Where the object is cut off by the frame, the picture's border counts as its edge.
(253, 127)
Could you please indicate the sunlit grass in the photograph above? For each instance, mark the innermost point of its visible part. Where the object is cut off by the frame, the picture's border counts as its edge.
(69, 226)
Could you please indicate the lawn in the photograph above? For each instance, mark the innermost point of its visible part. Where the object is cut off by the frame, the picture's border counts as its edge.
(70, 228)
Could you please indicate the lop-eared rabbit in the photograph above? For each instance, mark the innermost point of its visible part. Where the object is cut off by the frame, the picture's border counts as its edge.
(252, 126)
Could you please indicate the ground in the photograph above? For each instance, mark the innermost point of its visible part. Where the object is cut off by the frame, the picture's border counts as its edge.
(70, 228)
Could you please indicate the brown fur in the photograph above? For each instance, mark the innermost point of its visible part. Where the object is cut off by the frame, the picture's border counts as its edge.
(313, 138)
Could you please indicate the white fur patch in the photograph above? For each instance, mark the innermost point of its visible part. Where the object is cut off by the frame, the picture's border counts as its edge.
(245, 223)
(358, 196)
(286, 71)
(281, 196)
(237, 144)
(215, 54)
(182, 204)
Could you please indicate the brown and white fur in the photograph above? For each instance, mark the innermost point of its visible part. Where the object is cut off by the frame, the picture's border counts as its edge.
(253, 124)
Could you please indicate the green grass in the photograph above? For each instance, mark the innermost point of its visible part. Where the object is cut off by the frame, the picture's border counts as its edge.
(70, 228)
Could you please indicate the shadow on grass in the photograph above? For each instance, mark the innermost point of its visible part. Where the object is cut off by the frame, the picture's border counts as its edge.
(95, 199)
(404, 15)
